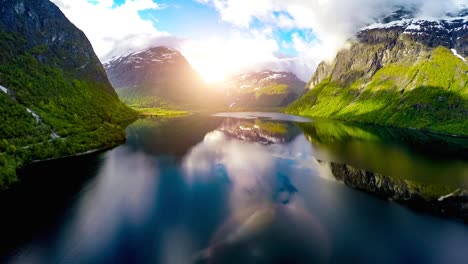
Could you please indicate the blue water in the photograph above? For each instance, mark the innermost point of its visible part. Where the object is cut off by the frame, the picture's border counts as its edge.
(221, 189)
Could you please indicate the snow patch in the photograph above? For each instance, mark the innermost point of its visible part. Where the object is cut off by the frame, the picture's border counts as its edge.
(167, 55)
(417, 24)
(442, 198)
(275, 76)
(454, 51)
(457, 193)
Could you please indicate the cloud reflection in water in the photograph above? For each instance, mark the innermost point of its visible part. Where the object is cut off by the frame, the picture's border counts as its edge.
(262, 194)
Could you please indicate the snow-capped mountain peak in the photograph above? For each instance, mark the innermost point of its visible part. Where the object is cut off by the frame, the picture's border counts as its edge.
(450, 31)
(159, 55)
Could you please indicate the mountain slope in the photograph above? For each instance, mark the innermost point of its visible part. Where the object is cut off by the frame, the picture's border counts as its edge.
(158, 76)
(264, 89)
(56, 98)
(405, 73)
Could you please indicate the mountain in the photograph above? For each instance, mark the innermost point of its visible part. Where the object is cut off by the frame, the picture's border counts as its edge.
(264, 89)
(158, 76)
(162, 77)
(55, 97)
(260, 131)
(401, 71)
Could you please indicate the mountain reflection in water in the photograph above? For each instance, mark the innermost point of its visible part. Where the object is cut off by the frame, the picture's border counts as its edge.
(229, 189)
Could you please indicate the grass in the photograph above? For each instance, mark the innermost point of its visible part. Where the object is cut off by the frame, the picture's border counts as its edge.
(272, 90)
(149, 106)
(430, 95)
(272, 127)
(161, 112)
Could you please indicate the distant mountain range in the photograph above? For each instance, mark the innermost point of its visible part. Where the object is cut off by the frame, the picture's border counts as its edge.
(400, 71)
(161, 76)
(264, 89)
(160, 73)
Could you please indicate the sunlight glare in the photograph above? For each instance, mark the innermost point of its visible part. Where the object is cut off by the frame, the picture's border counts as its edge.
(215, 58)
(212, 73)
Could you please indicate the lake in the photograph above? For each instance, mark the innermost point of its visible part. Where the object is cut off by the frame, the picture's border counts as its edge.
(245, 188)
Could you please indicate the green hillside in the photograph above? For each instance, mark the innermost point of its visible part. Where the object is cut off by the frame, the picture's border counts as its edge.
(79, 111)
(429, 94)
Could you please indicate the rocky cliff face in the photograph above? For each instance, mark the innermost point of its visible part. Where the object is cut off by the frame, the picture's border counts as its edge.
(41, 26)
(266, 88)
(400, 40)
(439, 200)
(401, 72)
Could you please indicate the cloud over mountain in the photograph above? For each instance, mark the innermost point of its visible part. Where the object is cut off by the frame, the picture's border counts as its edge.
(114, 28)
(293, 35)
(331, 22)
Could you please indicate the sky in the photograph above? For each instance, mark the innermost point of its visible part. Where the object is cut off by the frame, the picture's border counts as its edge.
(223, 37)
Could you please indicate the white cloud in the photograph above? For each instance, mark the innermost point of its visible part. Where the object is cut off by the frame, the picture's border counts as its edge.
(217, 57)
(112, 28)
(331, 21)
(325, 26)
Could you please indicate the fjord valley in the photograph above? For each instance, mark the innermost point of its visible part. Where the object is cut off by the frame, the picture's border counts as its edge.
(186, 131)
(157, 77)
(161, 77)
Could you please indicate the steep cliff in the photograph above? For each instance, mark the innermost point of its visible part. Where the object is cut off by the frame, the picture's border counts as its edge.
(56, 98)
(402, 72)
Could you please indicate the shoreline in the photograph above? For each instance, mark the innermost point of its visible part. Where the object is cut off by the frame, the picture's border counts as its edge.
(93, 151)
(423, 130)
(450, 205)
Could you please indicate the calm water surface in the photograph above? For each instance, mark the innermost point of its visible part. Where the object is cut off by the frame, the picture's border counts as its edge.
(236, 188)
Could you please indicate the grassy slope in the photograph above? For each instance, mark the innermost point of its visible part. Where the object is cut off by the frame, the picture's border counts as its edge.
(83, 113)
(431, 95)
(150, 105)
(273, 89)
(269, 96)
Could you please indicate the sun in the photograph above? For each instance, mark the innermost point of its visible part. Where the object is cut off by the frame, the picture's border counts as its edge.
(212, 74)
(210, 59)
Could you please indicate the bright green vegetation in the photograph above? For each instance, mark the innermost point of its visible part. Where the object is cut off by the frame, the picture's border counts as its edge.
(134, 100)
(161, 112)
(272, 127)
(330, 131)
(275, 128)
(401, 155)
(429, 192)
(150, 105)
(85, 113)
(272, 90)
(429, 95)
